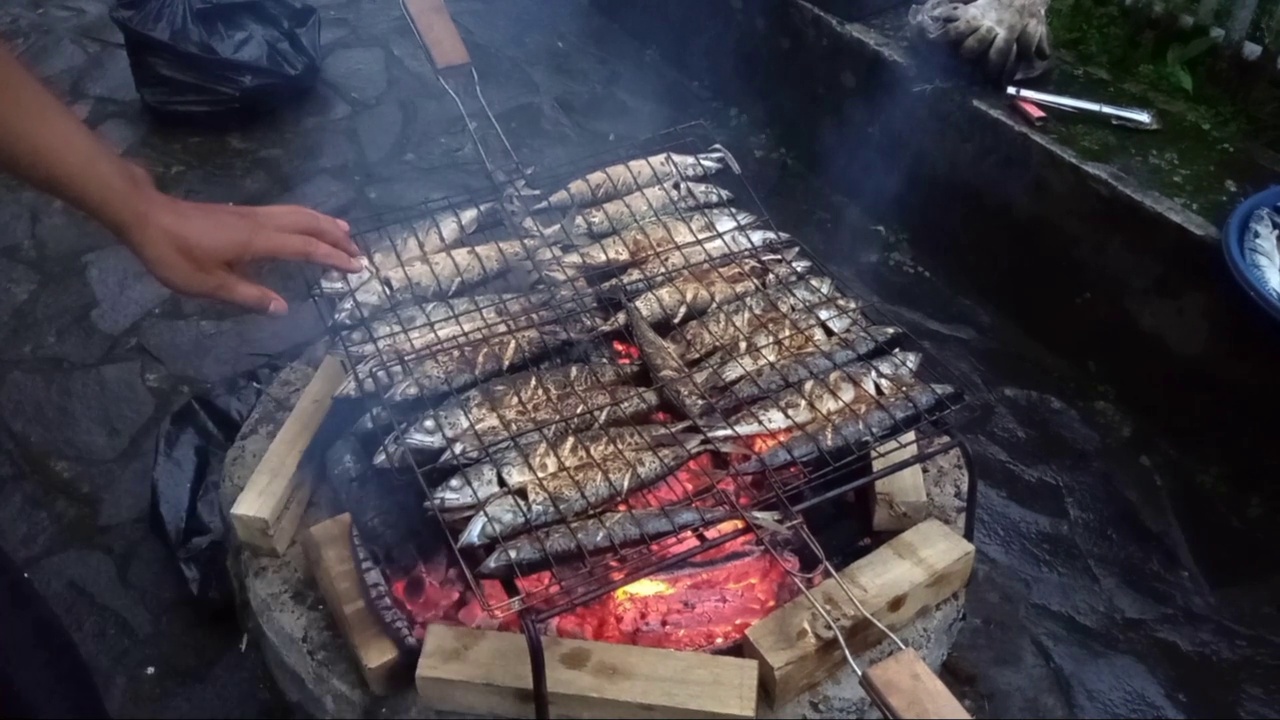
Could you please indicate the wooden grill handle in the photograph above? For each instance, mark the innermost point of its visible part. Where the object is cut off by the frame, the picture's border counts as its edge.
(908, 689)
(435, 27)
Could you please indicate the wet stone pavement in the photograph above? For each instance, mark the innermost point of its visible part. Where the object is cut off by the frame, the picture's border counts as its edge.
(1082, 604)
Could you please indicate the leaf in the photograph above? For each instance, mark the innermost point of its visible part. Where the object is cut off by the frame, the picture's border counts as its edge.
(1196, 47)
(1182, 77)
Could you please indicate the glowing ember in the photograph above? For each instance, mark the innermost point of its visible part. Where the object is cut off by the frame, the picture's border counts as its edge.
(626, 352)
(706, 603)
(697, 607)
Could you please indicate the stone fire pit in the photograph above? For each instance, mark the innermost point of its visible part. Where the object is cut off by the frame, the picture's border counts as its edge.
(285, 613)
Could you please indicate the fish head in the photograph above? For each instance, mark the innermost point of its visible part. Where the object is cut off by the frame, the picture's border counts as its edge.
(371, 422)
(425, 434)
(899, 364)
(724, 220)
(467, 488)
(499, 560)
(700, 165)
(838, 314)
(816, 287)
(705, 194)
(336, 282)
(760, 238)
(787, 266)
(501, 511)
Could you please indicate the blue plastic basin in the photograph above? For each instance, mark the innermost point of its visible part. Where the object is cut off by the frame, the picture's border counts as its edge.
(1233, 246)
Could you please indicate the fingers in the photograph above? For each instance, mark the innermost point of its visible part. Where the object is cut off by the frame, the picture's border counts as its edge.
(1029, 38)
(1044, 49)
(977, 44)
(287, 246)
(961, 24)
(1003, 58)
(238, 291)
(304, 221)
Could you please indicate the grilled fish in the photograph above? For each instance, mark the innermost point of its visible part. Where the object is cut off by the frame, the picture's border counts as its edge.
(604, 532)
(437, 325)
(669, 198)
(522, 463)
(622, 179)
(858, 428)
(746, 321)
(571, 492)
(580, 395)
(736, 362)
(652, 271)
(419, 239)
(799, 405)
(691, 293)
(430, 277)
(1262, 250)
(679, 386)
(457, 368)
(896, 368)
(641, 242)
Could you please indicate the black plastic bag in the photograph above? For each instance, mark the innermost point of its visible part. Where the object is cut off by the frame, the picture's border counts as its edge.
(186, 478)
(219, 59)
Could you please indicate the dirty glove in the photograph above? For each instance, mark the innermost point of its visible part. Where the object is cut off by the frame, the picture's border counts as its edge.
(1012, 36)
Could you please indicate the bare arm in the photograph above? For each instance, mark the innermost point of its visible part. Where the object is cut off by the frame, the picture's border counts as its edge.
(194, 248)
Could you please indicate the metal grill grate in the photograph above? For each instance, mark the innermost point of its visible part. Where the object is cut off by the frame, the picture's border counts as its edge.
(514, 302)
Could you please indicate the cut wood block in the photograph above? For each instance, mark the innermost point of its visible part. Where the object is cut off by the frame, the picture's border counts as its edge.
(897, 582)
(328, 549)
(907, 688)
(901, 500)
(486, 672)
(267, 512)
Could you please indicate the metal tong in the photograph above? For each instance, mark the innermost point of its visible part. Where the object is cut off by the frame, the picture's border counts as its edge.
(1118, 114)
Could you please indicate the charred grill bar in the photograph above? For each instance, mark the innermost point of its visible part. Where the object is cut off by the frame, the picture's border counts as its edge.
(494, 340)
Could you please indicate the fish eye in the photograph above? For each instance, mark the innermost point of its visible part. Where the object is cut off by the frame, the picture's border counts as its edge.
(455, 483)
(429, 424)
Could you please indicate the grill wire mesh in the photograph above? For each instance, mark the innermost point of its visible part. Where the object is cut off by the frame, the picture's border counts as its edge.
(533, 318)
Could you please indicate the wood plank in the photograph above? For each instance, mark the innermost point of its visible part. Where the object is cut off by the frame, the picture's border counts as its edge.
(907, 688)
(486, 672)
(258, 511)
(895, 583)
(328, 549)
(901, 500)
(435, 27)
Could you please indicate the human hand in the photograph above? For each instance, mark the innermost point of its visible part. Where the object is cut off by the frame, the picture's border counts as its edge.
(203, 249)
(1012, 35)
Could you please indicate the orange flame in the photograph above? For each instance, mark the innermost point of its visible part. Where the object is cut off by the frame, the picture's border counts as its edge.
(644, 587)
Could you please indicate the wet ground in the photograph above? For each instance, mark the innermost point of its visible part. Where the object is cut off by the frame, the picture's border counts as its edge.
(1083, 603)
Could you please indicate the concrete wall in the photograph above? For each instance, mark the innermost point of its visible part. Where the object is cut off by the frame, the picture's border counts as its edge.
(1101, 272)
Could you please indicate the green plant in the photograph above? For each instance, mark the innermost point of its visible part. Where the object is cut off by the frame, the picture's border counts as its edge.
(1179, 54)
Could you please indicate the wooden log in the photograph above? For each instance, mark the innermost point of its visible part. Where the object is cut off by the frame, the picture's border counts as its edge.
(901, 500)
(486, 672)
(905, 686)
(267, 512)
(328, 549)
(895, 583)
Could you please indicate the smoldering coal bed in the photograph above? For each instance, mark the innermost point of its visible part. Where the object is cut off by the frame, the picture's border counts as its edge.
(316, 668)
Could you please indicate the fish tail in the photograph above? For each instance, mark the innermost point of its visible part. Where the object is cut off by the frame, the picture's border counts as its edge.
(727, 156)
(473, 534)
(767, 520)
